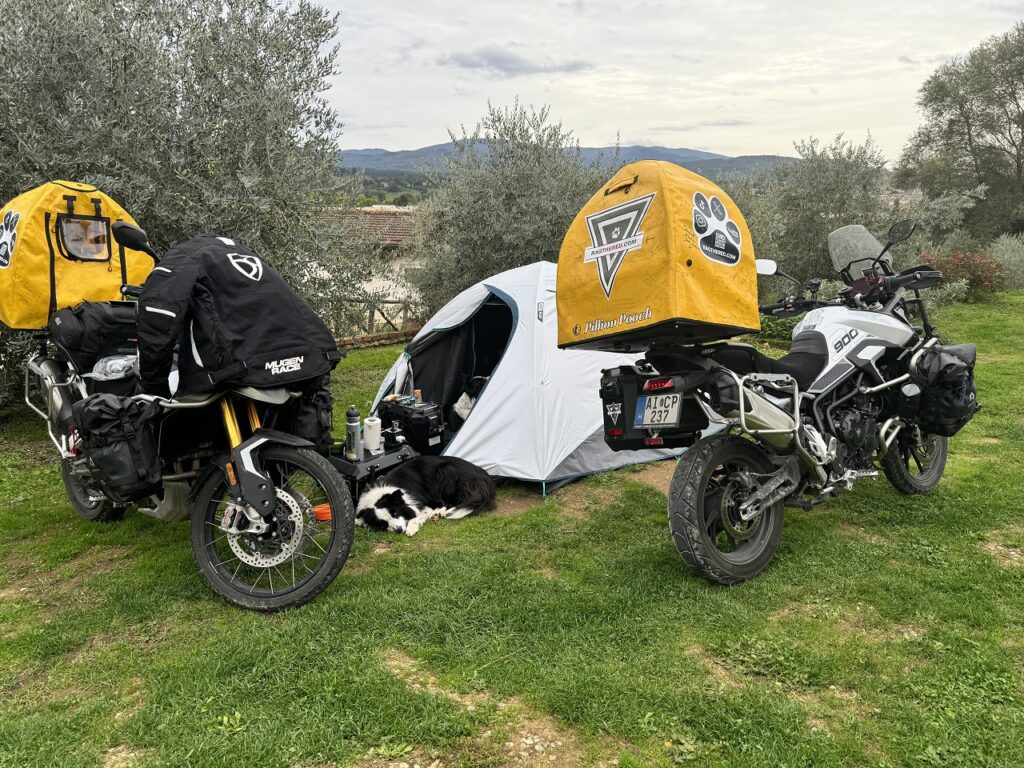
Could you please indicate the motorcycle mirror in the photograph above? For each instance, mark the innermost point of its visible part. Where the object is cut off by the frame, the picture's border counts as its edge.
(766, 266)
(901, 231)
(132, 237)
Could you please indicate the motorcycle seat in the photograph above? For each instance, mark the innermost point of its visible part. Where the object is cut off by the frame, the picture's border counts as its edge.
(804, 361)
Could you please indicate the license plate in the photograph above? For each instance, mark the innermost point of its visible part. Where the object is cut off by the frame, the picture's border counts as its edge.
(658, 411)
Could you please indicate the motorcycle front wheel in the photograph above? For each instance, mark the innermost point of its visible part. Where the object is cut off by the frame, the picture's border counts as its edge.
(306, 545)
(708, 487)
(915, 463)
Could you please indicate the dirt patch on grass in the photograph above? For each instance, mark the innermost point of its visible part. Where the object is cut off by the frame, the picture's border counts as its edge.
(404, 666)
(657, 475)
(134, 701)
(856, 532)
(1008, 557)
(859, 620)
(122, 756)
(515, 503)
(717, 671)
(54, 585)
(524, 739)
(547, 572)
(579, 499)
(827, 709)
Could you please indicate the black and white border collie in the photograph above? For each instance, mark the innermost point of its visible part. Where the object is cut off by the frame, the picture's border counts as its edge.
(423, 488)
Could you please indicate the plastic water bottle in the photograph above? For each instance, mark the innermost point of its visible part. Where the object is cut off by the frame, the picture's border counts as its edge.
(353, 436)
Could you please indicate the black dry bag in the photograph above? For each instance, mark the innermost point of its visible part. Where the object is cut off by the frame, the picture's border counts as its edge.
(118, 438)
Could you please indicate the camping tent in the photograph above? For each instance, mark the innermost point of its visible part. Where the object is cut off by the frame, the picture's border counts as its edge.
(539, 416)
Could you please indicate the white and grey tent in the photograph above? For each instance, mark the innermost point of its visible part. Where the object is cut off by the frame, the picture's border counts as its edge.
(539, 415)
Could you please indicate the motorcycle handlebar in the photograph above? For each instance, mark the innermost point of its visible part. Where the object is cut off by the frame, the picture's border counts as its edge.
(896, 282)
(792, 305)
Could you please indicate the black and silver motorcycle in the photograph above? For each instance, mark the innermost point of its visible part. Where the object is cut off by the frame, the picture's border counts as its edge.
(863, 389)
(271, 520)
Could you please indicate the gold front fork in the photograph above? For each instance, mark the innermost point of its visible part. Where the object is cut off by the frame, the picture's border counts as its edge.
(254, 417)
(227, 411)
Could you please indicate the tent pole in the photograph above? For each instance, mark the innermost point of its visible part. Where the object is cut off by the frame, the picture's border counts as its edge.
(543, 489)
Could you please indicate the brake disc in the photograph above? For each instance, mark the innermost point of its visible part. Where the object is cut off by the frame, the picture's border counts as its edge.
(274, 549)
(738, 529)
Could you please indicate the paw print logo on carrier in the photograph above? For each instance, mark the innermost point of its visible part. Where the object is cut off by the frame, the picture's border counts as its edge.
(8, 237)
(718, 236)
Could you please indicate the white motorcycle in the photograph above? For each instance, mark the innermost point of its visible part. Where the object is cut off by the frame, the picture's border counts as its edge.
(862, 390)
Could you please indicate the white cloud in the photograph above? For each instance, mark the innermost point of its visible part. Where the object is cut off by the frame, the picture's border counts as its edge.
(749, 77)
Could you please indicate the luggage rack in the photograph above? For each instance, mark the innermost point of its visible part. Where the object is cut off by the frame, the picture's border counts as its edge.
(780, 381)
(359, 474)
(50, 382)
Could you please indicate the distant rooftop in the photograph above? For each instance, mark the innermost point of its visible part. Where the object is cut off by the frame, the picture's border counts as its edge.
(391, 226)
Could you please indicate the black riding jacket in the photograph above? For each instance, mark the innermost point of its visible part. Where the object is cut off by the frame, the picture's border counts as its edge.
(232, 318)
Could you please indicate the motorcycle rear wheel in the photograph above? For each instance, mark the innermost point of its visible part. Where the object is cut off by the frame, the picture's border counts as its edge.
(703, 514)
(87, 502)
(306, 547)
(915, 464)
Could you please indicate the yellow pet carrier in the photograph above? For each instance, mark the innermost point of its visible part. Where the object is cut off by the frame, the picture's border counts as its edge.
(658, 254)
(57, 250)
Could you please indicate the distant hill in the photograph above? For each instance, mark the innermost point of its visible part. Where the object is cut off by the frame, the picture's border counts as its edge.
(427, 158)
(398, 177)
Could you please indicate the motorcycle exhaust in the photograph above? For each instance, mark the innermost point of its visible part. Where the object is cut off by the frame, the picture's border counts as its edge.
(768, 422)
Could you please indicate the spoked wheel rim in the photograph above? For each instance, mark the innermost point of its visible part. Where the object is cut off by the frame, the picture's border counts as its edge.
(734, 539)
(86, 495)
(919, 456)
(291, 553)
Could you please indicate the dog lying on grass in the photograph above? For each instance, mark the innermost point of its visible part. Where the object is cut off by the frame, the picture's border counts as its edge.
(424, 488)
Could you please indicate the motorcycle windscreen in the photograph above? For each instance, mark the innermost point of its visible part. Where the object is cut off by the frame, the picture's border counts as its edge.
(659, 253)
(853, 248)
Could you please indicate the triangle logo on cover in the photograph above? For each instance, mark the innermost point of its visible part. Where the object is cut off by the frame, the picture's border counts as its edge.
(614, 232)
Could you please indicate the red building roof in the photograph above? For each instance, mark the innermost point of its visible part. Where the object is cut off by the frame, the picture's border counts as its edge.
(389, 225)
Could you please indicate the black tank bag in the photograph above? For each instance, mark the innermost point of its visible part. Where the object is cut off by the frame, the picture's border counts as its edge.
(118, 438)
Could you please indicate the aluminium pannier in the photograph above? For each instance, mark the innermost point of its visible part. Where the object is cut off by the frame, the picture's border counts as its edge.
(57, 250)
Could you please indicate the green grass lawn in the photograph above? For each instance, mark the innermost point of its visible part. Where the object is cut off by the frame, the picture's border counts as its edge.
(559, 632)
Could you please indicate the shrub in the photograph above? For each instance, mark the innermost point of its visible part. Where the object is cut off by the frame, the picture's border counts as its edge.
(950, 292)
(778, 328)
(982, 275)
(1008, 252)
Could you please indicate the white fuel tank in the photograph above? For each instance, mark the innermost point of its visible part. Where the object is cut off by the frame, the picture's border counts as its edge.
(837, 321)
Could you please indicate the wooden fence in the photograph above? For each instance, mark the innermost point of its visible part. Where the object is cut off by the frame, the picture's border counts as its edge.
(380, 321)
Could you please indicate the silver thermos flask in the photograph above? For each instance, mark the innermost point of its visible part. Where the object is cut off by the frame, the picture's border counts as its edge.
(353, 436)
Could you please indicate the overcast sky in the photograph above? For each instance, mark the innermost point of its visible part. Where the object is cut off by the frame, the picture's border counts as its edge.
(744, 77)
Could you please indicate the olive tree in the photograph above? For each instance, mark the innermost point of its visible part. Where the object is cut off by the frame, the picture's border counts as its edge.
(196, 115)
(504, 198)
(792, 208)
(972, 133)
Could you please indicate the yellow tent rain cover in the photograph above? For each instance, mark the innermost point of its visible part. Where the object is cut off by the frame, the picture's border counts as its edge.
(57, 250)
(658, 253)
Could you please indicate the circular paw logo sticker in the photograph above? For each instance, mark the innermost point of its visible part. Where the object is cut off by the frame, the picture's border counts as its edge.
(718, 236)
(8, 237)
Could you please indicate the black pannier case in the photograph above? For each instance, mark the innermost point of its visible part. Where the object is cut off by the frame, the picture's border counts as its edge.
(422, 424)
(118, 438)
(621, 389)
(949, 400)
